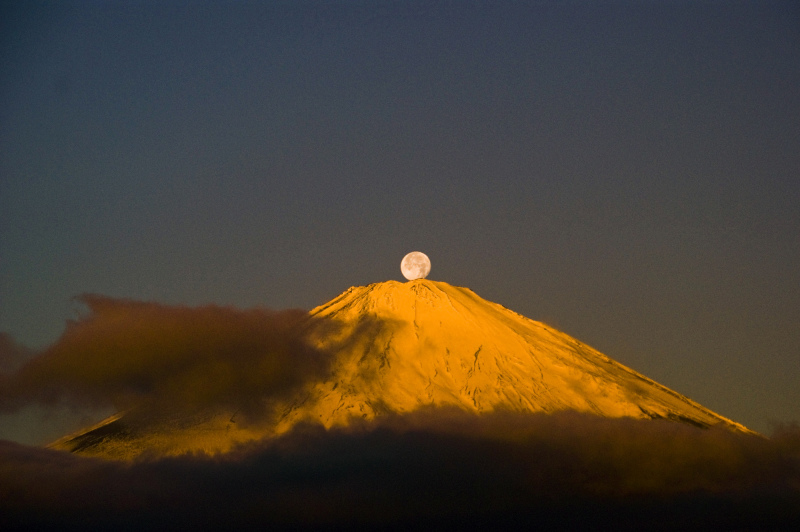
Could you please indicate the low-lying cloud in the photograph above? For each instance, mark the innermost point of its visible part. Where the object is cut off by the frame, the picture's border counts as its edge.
(128, 353)
(12, 354)
(432, 468)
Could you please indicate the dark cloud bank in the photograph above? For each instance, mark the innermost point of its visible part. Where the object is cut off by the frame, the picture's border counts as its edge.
(434, 468)
(560, 471)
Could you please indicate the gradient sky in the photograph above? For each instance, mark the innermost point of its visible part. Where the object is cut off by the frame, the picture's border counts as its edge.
(628, 172)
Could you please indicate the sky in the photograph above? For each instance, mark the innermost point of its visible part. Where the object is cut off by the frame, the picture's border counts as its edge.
(627, 172)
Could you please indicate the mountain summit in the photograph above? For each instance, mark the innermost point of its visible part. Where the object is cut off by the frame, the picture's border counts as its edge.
(396, 347)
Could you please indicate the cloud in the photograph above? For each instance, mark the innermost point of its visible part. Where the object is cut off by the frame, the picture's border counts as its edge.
(12, 355)
(128, 353)
(431, 468)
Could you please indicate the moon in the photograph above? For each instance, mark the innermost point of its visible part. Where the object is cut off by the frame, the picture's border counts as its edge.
(415, 265)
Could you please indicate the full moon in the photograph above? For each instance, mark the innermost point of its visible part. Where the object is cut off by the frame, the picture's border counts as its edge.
(415, 265)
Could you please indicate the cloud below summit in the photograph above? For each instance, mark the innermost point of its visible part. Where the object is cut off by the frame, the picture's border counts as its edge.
(12, 355)
(435, 467)
(125, 353)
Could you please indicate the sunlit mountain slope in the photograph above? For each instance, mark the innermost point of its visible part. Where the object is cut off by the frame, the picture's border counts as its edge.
(404, 345)
(396, 347)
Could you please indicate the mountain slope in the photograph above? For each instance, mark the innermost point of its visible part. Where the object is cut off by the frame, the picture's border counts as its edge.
(397, 347)
(404, 345)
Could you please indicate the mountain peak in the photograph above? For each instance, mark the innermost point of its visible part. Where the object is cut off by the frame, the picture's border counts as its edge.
(391, 297)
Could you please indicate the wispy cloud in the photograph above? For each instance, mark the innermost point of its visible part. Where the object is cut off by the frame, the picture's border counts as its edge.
(12, 354)
(128, 353)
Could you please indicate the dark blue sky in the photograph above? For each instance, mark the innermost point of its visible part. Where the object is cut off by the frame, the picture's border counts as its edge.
(628, 172)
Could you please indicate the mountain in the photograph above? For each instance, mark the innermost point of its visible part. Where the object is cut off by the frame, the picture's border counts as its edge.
(405, 345)
(397, 347)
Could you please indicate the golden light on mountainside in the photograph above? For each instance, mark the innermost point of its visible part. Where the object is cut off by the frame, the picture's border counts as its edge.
(399, 347)
(404, 345)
